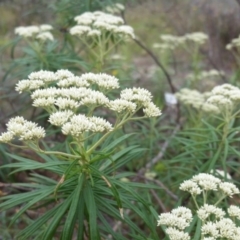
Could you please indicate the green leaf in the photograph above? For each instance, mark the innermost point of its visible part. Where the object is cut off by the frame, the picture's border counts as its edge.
(125, 155)
(140, 214)
(42, 179)
(43, 193)
(106, 206)
(108, 228)
(197, 234)
(28, 164)
(52, 226)
(92, 211)
(18, 199)
(80, 211)
(72, 214)
(38, 223)
(116, 142)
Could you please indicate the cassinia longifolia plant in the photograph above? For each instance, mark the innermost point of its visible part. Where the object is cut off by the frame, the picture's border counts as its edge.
(101, 32)
(40, 49)
(218, 112)
(209, 222)
(89, 190)
(191, 43)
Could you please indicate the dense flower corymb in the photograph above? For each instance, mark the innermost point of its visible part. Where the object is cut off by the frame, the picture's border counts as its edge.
(207, 210)
(22, 129)
(70, 95)
(89, 89)
(80, 123)
(179, 218)
(207, 182)
(191, 187)
(214, 223)
(96, 24)
(41, 32)
(234, 211)
(175, 234)
(115, 8)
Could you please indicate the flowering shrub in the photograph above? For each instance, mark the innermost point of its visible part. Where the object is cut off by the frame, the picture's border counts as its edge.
(85, 168)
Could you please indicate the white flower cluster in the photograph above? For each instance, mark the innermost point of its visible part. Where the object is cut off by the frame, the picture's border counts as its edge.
(234, 212)
(215, 224)
(175, 234)
(104, 81)
(65, 78)
(141, 97)
(221, 173)
(122, 105)
(176, 221)
(71, 92)
(207, 182)
(164, 46)
(115, 8)
(224, 97)
(41, 32)
(96, 24)
(197, 37)
(224, 228)
(22, 129)
(235, 43)
(210, 210)
(221, 99)
(79, 124)
(169, 41)
(211, 74)
(196, 100)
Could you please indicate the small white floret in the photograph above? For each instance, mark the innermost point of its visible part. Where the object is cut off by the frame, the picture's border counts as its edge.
(229, 189)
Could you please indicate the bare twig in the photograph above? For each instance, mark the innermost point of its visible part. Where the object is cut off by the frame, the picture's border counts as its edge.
(160, 203)
(160, 65)
(160, 184)
(238, 1)
(161, 152)
(170, 193)
(213, 64)
(140, 44)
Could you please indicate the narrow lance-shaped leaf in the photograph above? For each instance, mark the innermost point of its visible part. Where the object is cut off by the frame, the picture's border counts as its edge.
(73, 210)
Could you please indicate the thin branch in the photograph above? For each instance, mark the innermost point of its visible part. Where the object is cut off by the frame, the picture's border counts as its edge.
(238, 1)
(160, 154)
(140, 44)
(160, 203)
(160, 65)
(213, 64)
(160, 184)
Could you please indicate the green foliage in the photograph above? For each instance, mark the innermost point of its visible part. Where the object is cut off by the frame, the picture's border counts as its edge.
(83, 193)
